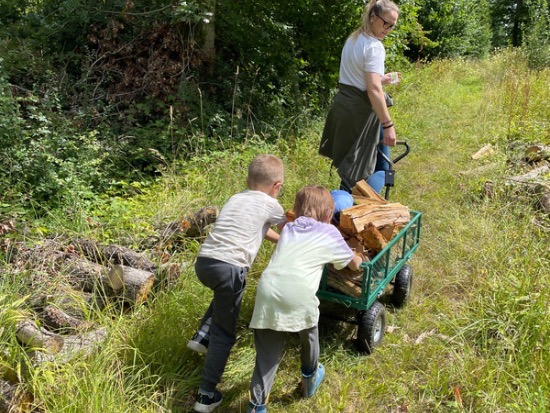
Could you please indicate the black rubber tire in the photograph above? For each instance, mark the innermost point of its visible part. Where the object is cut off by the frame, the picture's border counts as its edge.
(402, 286)
(372, 324)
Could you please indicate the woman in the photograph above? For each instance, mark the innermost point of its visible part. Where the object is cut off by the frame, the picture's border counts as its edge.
(352, 128)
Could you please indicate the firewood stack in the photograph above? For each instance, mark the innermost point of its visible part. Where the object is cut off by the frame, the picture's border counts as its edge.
(367, 227)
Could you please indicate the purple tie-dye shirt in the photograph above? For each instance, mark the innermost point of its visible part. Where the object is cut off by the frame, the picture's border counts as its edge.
(285, 296)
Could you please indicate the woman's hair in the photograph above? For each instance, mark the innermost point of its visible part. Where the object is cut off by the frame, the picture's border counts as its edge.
(265, 169)
(378, 7)
(314, 201)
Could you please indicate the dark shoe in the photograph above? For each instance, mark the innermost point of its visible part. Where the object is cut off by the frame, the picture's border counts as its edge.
(198, 344)
(206, 404)
(256, 408)
(311, 382)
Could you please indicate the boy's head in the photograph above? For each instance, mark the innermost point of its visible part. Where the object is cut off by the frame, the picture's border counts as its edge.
(266, 173)
(314, 201)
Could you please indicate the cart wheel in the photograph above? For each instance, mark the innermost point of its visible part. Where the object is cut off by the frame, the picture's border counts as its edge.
(372, 324)
(402, 286)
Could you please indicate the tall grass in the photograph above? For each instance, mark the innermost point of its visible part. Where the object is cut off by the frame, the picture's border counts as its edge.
(473, 338)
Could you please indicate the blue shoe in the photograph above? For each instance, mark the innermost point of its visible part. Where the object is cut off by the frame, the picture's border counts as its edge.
(206, 403)
(311, 382)
(256, 408)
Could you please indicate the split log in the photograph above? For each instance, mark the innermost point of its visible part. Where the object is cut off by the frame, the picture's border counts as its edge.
(373, 238)
(113, 254)
(135, 284)
(348, 283)
(389, 231)
(13, 399)
(355, 219)
(290, 215)
(485, 151)
(364, 193)
(33, 336)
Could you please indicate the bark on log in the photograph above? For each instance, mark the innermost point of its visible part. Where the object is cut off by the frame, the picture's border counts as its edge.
(74, 345)
(534, 176)
(355, 219)
(169, 273)
(58, 321)
(113, 254)
(13, 399)
(135, 284)
(33, 336)
(86, 275)
(192, 225)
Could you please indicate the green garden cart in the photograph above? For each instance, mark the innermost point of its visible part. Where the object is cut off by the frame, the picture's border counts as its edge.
(389, 267)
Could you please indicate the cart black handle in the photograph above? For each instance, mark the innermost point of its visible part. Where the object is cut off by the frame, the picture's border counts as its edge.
(407, 150)
(401, 156)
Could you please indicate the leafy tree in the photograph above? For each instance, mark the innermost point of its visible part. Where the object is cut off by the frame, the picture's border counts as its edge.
(457, 28)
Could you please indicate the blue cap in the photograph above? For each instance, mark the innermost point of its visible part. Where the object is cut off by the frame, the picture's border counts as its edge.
(342, 200)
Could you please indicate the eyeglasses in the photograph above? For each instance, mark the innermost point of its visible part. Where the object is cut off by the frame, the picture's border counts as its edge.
(387, 25)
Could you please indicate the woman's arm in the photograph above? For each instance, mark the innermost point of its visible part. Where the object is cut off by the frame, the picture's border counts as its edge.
(375, 93)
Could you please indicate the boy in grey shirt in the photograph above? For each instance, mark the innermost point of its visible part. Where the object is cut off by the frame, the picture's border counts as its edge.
(223, 262)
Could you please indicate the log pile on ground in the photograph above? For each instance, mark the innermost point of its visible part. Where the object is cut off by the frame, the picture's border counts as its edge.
(71, 280)
(367, 227)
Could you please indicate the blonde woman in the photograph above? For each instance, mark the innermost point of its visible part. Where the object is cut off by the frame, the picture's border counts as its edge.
(352, 129)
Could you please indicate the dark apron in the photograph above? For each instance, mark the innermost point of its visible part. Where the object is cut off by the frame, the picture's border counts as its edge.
(351, 135)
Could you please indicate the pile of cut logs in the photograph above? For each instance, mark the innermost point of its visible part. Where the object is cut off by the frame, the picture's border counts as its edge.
(367, 227)
(71, 279)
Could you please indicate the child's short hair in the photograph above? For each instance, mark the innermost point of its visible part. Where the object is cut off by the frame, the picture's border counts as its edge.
(314, 201)
(265, 169)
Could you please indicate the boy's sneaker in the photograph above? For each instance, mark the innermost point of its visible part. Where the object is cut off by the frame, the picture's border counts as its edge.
(198, 344)
(205, 403)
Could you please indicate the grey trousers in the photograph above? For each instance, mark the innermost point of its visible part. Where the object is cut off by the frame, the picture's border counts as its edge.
(228, 283)
(270, 345)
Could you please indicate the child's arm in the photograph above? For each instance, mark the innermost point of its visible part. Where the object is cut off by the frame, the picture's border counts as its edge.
(272, 236)
(355, 262)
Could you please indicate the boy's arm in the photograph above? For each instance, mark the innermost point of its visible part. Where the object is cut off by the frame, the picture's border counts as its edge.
(272, 236)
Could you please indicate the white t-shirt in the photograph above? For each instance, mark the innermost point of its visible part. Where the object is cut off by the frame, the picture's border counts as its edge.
(241, 226)
(286, 294)
(364, 54)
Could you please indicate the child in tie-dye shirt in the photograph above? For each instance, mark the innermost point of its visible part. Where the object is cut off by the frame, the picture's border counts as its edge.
(286, 298)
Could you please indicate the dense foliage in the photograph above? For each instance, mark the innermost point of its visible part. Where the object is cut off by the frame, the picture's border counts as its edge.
(96, 93)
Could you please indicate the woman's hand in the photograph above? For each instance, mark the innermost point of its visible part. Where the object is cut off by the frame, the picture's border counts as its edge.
(391, 78)
(390, 139)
